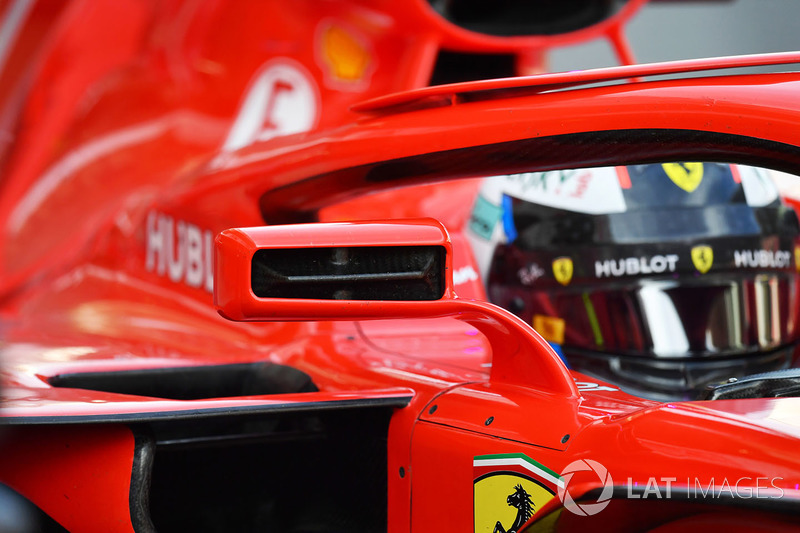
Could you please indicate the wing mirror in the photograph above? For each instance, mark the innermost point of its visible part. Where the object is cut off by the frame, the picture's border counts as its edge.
(366, 271)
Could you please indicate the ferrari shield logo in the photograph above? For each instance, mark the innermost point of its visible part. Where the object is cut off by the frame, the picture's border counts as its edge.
(562, 270)
(687, 176)
(508, 490)
(703, 258)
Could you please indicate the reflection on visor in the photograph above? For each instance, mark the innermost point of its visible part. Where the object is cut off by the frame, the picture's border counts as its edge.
(667, 333)
(716, 317)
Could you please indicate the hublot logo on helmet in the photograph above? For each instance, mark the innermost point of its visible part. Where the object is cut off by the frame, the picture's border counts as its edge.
(631, 266)
(762, 258)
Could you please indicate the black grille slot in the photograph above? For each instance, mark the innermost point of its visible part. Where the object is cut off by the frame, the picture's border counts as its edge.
(350, 273)
(193, 382)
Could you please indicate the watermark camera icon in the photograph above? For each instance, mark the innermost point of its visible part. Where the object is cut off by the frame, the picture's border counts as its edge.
(586, 508)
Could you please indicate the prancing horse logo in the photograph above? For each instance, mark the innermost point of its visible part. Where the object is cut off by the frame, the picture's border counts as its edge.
(703, 258)
(522, 501)
(562, 270)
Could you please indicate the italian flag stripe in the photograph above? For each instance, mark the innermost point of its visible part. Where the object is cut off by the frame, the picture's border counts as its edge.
(522, 460)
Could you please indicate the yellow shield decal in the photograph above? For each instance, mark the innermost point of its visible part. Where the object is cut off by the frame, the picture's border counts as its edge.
(687, 176)
(562, 270)
(492, 495)
(703, 258)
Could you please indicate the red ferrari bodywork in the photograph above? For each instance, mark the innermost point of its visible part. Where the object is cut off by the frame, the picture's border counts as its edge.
(137, 132)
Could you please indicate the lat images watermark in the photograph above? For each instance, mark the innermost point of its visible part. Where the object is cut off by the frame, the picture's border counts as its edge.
(745, 487)
(576, 476)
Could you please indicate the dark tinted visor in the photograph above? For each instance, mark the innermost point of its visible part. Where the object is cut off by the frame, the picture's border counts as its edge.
(673, 260)
(720, 315)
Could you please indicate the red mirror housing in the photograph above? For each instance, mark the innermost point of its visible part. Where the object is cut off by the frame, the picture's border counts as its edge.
(370, 270)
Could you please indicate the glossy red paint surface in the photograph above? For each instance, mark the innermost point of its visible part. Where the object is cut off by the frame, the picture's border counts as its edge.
(124, 167)
(79, 475)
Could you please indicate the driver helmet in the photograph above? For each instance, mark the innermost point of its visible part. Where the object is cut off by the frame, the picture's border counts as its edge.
(660, 278)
